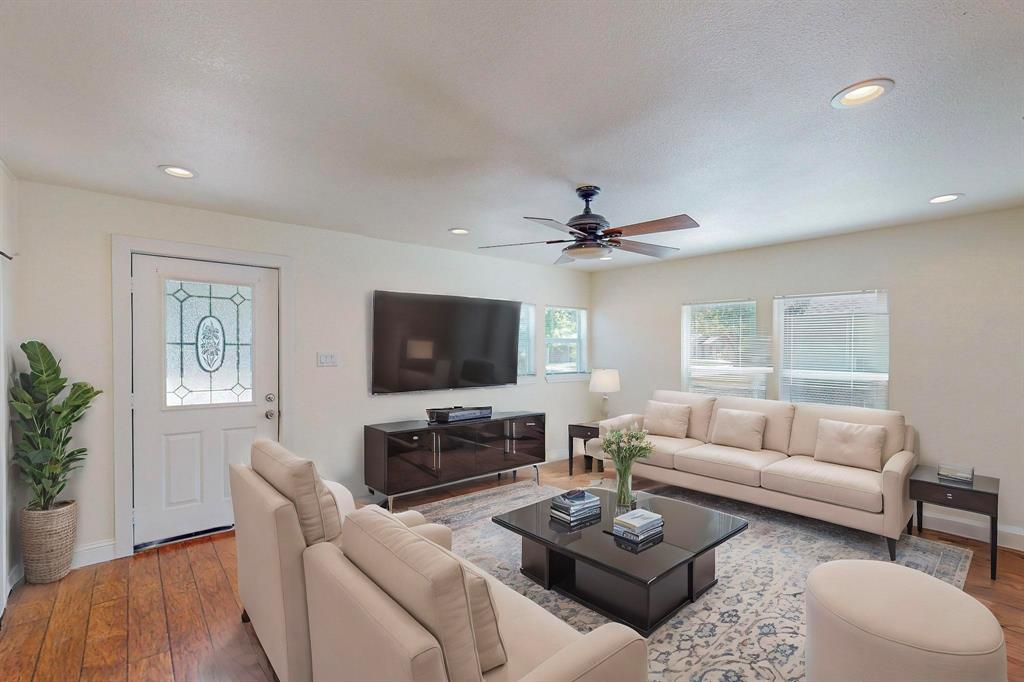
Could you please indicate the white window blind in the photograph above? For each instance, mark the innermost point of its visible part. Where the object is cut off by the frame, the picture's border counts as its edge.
(722, 353)
(527, 356)
(834, 348)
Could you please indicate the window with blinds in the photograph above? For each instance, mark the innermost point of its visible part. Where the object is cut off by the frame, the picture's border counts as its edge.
(527, 356)
(834, 348)
(722, 352)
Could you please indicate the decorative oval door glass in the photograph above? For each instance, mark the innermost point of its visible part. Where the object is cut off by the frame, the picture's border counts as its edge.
(208, 342)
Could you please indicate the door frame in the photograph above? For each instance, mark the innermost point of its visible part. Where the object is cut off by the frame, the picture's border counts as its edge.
(122, 249)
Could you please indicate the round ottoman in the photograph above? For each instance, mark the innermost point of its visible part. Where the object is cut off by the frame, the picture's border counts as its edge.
(878, 621)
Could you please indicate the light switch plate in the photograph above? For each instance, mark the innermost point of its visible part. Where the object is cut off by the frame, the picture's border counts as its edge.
(326, 359)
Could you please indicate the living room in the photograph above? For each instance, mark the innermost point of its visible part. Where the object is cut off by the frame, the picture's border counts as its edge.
(836, 230)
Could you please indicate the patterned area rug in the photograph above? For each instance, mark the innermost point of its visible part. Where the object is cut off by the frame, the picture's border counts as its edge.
(750, 626)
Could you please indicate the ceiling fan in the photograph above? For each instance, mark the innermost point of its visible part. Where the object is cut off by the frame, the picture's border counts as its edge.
(593, 238)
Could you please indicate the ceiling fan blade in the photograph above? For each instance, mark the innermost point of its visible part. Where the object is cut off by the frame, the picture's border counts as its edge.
(561, 227)
(644, 249)
(564, 258)
(676, 222)
(552, 241)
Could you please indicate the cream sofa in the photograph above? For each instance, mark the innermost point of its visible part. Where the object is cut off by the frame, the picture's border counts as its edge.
(389, 605)
(783, 474)
(282, 507)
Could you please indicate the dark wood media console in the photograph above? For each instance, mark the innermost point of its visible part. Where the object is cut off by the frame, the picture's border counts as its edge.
(410, 456)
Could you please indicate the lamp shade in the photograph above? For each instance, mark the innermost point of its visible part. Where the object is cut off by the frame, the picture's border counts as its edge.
(604, 381)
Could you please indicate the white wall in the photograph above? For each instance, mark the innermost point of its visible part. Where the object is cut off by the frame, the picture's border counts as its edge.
(64, 280)
(956, 293)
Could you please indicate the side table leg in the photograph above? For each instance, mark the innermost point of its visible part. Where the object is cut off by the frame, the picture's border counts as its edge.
(993, 539)
(920, 516)
(910, 526)
(570, 456)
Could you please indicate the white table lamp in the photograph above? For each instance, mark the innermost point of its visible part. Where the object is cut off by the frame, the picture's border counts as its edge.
(604, 381)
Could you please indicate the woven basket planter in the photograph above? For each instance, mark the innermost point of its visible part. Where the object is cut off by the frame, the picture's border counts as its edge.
(48, 542)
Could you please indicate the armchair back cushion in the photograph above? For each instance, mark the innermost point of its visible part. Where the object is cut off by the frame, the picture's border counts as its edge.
(422, 578)
(778, 419)
(699, 425)
(666, 419)
(854, 445)
(296, 478)
(738, 429)
(805, 426)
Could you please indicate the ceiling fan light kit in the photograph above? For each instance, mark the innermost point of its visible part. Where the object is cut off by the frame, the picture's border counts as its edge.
(592, 238)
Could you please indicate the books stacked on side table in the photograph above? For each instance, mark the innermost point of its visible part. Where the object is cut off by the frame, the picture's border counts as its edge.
(576, 508)
(638, 529)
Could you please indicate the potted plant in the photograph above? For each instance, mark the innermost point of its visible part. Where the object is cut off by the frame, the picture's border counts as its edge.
(41, 451)
(624, 448)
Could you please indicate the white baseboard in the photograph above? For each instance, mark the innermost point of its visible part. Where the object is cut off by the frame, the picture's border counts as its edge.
(93, 553)
(14, 576)
(974, 528)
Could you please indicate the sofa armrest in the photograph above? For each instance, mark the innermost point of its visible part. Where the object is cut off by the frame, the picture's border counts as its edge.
(342, 498)
(411, 518)
(611, 653)
(435, 532)
(896, 506)
(627, 422)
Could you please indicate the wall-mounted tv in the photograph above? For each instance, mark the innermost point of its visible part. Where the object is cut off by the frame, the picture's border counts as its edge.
(423, 342)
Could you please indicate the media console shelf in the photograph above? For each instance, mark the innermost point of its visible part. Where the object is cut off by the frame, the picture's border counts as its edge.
(400, 458)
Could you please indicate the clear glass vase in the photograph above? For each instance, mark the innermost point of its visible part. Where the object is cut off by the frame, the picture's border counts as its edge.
(624, 487)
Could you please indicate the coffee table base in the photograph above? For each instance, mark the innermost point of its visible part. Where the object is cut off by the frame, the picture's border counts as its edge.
(643, 607)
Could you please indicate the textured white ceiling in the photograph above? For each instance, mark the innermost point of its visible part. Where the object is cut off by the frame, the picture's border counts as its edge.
(403, 119)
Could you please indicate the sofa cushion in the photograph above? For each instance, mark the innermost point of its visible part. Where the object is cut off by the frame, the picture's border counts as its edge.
(666, 419)
(700, 410)
(423, 578)
(532, 634)
(852, 445)
(727, 463)
(738, 429)
(296, 478)
(805, 426)
(806, 477)
(664, 449)
(778, 418)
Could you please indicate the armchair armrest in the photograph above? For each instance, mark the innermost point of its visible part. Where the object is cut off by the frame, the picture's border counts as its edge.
(611, 653)
(435, 532)
(627, 422)
(896, 506)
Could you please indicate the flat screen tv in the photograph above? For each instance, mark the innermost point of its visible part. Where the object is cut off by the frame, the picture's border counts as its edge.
(423, 342)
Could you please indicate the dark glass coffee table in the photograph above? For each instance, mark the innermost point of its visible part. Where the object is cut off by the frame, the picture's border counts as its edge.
(642, 590)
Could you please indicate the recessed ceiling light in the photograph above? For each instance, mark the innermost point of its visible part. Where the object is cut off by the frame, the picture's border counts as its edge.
(178, 172)
(944, 198)
(605, 258)
(862, 93)
(458, 230)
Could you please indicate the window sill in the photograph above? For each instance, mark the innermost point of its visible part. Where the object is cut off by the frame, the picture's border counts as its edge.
(562, 378)
(526, 379)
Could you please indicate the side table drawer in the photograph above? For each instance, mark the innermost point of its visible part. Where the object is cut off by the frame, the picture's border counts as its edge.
(957, 498)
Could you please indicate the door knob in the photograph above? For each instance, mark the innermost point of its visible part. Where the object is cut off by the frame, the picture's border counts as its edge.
(269, 414)
(270, 397)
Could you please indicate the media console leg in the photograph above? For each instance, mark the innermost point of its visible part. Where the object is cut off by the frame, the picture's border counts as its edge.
(391, 503)
(515, 472)
(536, 474)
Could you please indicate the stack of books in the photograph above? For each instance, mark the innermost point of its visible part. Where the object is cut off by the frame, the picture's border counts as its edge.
(638, 529)
(575, 508)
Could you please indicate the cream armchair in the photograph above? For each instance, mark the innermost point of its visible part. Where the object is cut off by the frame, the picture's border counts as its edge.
(282, 507)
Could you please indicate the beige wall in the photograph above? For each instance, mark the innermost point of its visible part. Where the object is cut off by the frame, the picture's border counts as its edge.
(64, 277)
(956, 293)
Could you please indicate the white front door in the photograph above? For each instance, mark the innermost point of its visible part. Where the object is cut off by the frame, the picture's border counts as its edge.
(205, 383)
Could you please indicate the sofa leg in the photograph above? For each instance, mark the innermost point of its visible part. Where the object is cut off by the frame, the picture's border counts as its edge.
(892, 548)
(245, 616)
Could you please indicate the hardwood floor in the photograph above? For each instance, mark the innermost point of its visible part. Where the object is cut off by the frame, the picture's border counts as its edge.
(173, 613)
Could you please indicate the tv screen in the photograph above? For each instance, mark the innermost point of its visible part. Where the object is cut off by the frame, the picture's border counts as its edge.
(423, 342)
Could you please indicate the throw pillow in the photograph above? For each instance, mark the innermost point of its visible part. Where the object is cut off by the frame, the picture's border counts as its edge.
(738, 429)
(853, 445)
(666, 419)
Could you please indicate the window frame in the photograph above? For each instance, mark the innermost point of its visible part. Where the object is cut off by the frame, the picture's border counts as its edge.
(581, 341)
(779, 347)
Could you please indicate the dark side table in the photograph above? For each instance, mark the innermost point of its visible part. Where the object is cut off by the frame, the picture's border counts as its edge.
(584, 432)
(980, 496)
